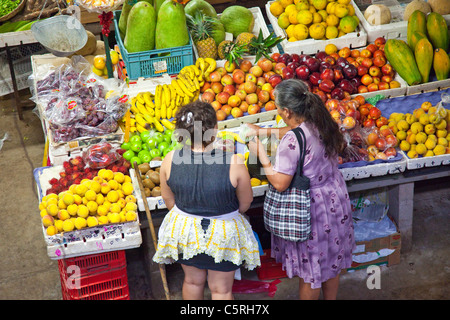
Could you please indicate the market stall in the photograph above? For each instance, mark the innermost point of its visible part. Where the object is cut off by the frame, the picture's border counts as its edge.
(109, 116)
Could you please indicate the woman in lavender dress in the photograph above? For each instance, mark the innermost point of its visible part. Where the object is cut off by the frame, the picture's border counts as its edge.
(318, 260)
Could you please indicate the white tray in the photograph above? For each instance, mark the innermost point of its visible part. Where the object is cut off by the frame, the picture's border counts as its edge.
(388, 93)
(93, 240)
(423, 162)
(310, 46)
(260, 24)
(429, 86)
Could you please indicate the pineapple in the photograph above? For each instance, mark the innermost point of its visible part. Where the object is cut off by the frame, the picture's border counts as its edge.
(224, 47)
(260, 46)
(201, 27)
(244, 38)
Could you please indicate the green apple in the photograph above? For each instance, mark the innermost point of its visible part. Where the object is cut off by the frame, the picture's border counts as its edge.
(143, 153)
(135, 138)
(155, 153)
(163, 145)
(125, 145)
(128, 155)
(135, 159)
(166, 151)
(152, 143)
(136, 146)
(158, 136)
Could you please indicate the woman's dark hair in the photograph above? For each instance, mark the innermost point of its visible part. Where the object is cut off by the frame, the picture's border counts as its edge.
(294, 95)
(194, 116)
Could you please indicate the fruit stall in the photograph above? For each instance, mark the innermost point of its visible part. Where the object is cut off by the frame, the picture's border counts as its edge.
(107, 110)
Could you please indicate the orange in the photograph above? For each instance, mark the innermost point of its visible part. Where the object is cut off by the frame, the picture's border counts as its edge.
(99, 62)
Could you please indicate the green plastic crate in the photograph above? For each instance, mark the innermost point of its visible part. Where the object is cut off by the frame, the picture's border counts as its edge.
(153, 63)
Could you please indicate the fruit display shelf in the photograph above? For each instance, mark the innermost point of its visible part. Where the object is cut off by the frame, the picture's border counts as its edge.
(355, 39)
(433, 85)
(260, 24)
(406, 105)
(396, 29)
(92, 240)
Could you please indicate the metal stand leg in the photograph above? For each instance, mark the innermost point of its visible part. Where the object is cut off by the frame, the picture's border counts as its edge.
(17, 101)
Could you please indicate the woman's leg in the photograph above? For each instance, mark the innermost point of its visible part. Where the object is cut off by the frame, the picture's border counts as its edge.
(306, 292)
(194, 283)
(221, 284)
(330, 288)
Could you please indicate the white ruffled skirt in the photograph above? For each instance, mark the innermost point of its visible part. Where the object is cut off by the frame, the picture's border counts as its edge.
(228, 237)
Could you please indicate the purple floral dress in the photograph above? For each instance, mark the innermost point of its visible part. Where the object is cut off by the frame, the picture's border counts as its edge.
(329, 248)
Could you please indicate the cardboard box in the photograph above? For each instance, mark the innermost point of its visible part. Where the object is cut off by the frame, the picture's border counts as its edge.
(392, 242)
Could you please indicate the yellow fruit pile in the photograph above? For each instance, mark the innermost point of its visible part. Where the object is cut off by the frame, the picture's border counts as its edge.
(317, 19)
(107, 198)
(99, 63)
(150, 111)
(423, 133)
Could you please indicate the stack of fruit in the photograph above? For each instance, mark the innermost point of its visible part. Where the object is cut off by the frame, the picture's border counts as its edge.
(339, 73)
(150, 180)
(154, 111)
(106, 198)
(238, 89)
(425, 50)
(316, 19)
(76, 169)
(99, 63)
(424, 132)
(149, 145)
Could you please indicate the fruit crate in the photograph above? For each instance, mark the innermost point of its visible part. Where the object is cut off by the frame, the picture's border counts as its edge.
(153, 63)
(260, 24)
(356, 39)
(396, 29)
(95, 277)
(87, 241)
(407, 104)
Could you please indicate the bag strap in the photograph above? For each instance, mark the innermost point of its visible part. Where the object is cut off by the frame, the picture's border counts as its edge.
(302, 143)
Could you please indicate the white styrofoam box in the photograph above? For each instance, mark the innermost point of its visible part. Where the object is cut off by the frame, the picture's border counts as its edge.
(260, 24)
(146, 85)
(374, 170)
(429, 86)
(422, 162)
(388, 93)
(355, 39)
(253, 118)
(92, 240)
(396, 29)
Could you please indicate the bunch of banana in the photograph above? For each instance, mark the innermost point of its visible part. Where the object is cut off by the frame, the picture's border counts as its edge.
(146, 115)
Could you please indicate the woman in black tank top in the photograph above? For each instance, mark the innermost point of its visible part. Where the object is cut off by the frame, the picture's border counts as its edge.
(206, 191)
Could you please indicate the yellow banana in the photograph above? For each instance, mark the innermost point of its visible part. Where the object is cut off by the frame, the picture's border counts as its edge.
(173, 91)
(166, 91)
(157, 114)
(169, 112)
(158, 92)
(141, 121)
(133, 129)
(148, 118)
(198, 63)
(169, 125)
(140, 128)
(196, 83)
(140, 99)
(134, 109)
(148, 100)
(183, 87)
(141, 107)
(178, 101)
(164, 109)
(185, 81)
(186, 100)
(132, 122)
(212, 64)
(177, 88)
(195, 69)
(158, 125)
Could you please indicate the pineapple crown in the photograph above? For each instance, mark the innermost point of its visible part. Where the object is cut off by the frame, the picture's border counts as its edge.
(260, 46)
(200, 25)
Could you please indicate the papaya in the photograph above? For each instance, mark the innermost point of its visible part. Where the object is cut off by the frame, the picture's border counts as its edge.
(402, 59)
(415, 37)
(205, 7)
(158, 4)
(424, 57)
(124, 15)
(140, 34)
(171, 28)
(417, 22)
(441, 64)
(437, 31)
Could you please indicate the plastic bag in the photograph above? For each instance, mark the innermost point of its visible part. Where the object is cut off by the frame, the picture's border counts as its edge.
(370, 205)
(100, 6)
(100, 155)
(2, 140)
(369, 230)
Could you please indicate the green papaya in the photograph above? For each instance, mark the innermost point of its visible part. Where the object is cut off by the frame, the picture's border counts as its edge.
(423, 53)
(158, 4)
(127, 5)
(171, 28)
(195, 5)
(438, 31)
(417, 22)
(218, 32)
(140, 34)
(237, 19)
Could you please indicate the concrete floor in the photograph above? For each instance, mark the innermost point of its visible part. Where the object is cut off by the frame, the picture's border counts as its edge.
(26, 272)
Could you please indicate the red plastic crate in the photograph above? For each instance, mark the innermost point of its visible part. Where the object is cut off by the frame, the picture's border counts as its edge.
(269, 269)
(99, 277)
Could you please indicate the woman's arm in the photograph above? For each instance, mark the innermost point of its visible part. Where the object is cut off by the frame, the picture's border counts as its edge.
(240, 179)
(278, 180)
(164, 174)
(267, 132)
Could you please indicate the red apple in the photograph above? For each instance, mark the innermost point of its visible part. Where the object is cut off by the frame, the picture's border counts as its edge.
(274, 80)
(257, 71)
(279, 66)
(379, 61)
(302, 72)
(222, 97)
(362, 70)
(386, 69)
(326, 85)
(314, 78)
(265, 64)
(327, 74)
(263, 96)
(231, 89)
(245, 65)
(288, 73)
(238, 76)
(208, 96)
